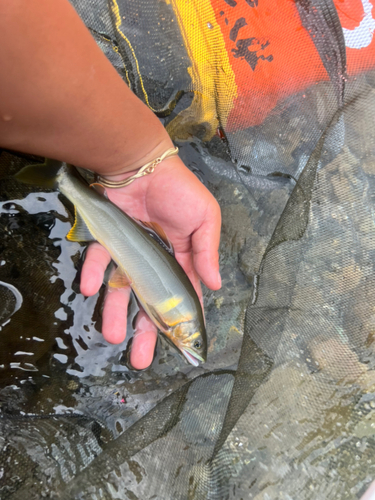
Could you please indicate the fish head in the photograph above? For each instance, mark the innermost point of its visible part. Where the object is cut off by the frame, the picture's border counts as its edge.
(190, 338)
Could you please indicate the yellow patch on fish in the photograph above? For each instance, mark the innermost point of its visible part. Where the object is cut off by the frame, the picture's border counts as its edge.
(169, 304)
(188, 339)
(194, 336)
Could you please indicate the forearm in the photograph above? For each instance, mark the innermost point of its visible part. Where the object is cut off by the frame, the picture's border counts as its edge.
(61, 98)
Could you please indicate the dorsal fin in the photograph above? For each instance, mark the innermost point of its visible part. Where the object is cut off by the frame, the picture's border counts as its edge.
(158, 233)
(79, 231)
(99, 188)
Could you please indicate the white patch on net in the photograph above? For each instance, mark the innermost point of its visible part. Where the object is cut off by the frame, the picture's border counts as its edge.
(362, 34)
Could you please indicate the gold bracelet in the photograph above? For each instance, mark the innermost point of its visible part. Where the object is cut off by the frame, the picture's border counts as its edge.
(145, 170)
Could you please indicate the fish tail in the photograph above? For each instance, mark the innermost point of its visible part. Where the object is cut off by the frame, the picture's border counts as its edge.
(41, 174)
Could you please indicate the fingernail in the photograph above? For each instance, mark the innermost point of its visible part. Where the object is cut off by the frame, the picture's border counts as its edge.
(219, 278)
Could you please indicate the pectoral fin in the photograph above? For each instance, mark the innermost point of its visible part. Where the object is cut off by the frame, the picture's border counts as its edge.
(79, 231)
(119, 279)
(156, 315)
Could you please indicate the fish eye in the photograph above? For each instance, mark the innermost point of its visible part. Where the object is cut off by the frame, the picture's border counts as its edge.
(197, 344)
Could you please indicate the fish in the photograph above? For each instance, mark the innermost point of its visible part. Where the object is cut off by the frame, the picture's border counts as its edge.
(142, 252)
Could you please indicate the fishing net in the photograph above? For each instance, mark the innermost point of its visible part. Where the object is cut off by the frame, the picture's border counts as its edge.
(272, 104)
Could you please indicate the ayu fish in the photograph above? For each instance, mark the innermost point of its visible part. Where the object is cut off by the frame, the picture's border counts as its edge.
(142, 252)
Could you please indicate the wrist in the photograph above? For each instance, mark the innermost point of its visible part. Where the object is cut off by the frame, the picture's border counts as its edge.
(125, 169)
(126, 178)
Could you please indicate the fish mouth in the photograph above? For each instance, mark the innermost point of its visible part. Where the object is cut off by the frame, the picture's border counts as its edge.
(192, 356)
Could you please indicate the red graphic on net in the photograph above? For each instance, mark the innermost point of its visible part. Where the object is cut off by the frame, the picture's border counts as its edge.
(273, 56)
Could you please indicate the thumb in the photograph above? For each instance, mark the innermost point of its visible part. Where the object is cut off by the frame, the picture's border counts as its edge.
(205, 243)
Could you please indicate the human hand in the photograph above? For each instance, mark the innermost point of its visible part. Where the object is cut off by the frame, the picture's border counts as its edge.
(173, 197)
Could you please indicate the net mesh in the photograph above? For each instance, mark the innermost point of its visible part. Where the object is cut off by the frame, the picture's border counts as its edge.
(272, 105)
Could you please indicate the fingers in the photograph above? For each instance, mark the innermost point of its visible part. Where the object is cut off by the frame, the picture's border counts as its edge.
(205, 242)
(115, 313)
(144, 342)
(115, 308)
(96, 262)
